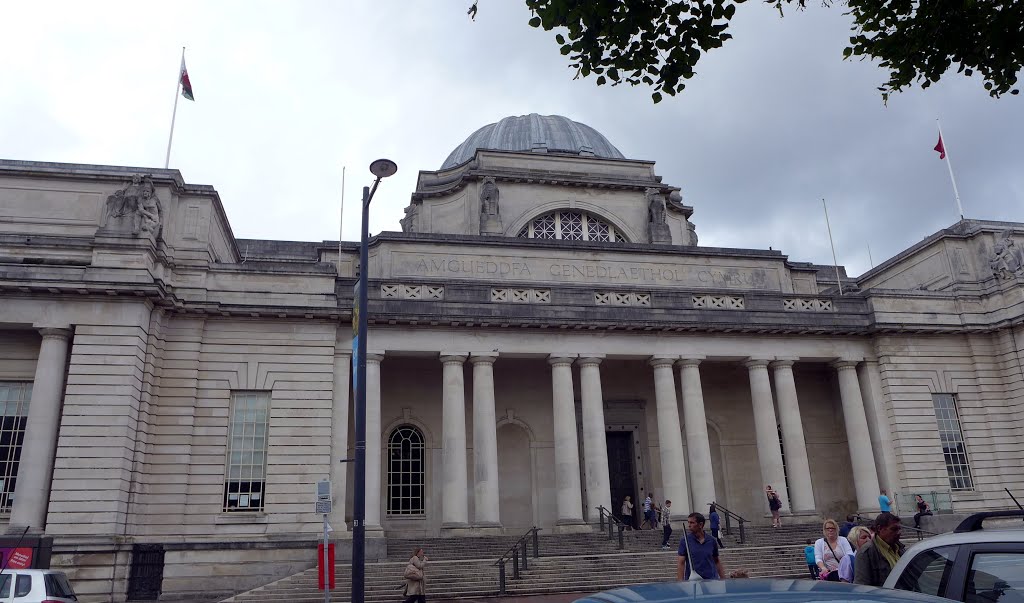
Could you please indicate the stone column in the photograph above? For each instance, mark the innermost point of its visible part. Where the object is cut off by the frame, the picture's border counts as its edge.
(695, 422)
(878, 425)
(567, 455)
(339, 437)
(485, 443)
(373, 442)
(769, 453)
(454, 501)
(670, 439)
(865, 478)
(36, 467)
(799, 470)
(595, 443)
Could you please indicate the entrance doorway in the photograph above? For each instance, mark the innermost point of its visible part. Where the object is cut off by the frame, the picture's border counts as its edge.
(622, 470)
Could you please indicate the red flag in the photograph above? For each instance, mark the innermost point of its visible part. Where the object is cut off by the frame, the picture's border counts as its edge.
(941, 149)
(186, 86)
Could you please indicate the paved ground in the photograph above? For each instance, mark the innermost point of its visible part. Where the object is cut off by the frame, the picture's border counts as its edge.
(559, 598)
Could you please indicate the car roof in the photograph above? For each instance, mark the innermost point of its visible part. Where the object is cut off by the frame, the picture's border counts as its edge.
(757, 590)
(950, 538)
(34, 572)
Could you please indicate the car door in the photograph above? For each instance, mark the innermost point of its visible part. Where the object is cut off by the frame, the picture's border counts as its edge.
(991, 573)
(6, 579)
(931, 571)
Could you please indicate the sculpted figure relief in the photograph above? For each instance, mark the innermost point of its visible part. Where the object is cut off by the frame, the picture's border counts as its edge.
(409, 221)
(657, 228)
(134, 209)
(490, 212)
(1006, 260)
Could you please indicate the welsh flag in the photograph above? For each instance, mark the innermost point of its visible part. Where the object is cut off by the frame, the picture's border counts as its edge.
(940, 148)
(186, 86)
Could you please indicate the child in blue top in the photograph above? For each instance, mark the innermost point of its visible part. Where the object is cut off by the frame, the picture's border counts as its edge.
(809, 557)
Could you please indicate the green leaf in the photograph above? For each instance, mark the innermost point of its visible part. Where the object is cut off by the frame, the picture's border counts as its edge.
(534, 22)
(601, 80)
(656, 97)
(560, 39)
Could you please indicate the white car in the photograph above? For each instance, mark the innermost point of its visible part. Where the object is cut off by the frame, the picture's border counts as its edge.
(969, 564)
(35, 586)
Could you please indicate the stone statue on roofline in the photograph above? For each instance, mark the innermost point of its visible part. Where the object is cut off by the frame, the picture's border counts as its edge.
(1006, 259)
(657, 228)
(409, 221)
(490, 216)
(133, 210)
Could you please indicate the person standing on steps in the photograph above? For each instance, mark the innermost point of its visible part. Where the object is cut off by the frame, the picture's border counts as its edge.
(415, 579)
(648, 512)
(627, 512)
(716, 524)
(774, 505)
(884, 502)
(666, 518)
(697, 552)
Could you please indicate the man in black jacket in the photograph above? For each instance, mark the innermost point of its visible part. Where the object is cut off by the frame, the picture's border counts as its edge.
(874, 562)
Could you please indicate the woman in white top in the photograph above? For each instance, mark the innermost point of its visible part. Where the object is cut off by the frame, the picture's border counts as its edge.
(830, 550)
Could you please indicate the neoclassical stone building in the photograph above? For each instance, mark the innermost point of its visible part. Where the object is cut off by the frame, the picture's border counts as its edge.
(546, 337)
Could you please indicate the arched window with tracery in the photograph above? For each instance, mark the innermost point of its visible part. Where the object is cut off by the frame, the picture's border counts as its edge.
(405, 471)
(570, 225)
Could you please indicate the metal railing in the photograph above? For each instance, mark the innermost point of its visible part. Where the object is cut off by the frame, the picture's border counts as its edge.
(939, 502)
(729, 517)
(611, 521)
(516, 552)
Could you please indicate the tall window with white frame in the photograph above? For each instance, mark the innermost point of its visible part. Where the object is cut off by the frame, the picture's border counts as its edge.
(951, 436)
(14, 399)
(405, 471)
(245, 476)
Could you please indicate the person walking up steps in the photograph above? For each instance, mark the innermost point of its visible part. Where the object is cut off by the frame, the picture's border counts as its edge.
(627, 512)
(716, 524)
(648, 513)
(666, 520)
(415, 579)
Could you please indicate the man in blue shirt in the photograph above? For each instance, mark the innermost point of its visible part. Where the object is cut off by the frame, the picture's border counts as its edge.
(884, 502)
(698, 552)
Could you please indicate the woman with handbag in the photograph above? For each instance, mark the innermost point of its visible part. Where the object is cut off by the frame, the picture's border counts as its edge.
(830, 550)
(774, 504)
(415, 582)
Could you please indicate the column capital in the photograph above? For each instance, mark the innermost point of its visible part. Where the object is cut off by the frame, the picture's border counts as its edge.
(754, 363)
(483, 357)
(590, 360)
(691, 360)
(783, 363)
(452, 358)
(560, 359)
(844, 363)
(668, 361)
(871, 360)
(340, 352)
(375, 357)
(55, 333)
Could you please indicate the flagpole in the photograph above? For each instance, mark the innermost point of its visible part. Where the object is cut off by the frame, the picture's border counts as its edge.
(945, 149)
(835, 262)
(341, 218)
(177, 85)
(870, 259)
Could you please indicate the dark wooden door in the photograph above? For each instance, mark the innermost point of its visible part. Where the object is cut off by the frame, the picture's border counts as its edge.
(621, 470)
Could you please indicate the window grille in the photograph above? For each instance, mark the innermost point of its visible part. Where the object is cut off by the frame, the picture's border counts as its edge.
(247, 452)
(951, 436)
(14, 399)
(405, 471)
(569, 226)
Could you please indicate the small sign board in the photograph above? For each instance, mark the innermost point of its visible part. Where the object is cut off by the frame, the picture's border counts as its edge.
(323, 507)
(323, 490)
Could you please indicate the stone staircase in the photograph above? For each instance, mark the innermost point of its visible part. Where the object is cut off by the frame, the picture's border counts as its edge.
(465, 567)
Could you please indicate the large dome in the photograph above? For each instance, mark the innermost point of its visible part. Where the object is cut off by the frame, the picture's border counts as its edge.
(551, 133)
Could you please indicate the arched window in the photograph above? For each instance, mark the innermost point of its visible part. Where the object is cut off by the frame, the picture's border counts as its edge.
(569, 225)
(405, 471)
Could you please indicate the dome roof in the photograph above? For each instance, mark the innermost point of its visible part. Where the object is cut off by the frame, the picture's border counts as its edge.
(552, 133)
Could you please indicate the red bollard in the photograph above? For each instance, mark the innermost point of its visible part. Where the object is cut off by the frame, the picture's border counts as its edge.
(320, 564)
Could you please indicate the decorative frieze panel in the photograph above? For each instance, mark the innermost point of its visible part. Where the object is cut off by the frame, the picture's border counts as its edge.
(521, 296)
(402, 291)
(615, 298)
(718, 302)
(808, 305)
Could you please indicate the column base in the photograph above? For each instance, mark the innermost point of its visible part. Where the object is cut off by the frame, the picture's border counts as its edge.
(374, 531)
(572, 526)
(804, 516)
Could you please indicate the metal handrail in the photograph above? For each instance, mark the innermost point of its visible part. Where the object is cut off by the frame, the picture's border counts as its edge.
(612, 521)
(729, 515)
(515, 551)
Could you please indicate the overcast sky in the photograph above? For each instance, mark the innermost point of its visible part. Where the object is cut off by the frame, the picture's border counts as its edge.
(289, 92)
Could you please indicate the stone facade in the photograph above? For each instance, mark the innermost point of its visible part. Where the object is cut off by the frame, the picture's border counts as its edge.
(527, 362)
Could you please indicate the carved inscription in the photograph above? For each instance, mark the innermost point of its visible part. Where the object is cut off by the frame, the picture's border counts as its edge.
(576, 271)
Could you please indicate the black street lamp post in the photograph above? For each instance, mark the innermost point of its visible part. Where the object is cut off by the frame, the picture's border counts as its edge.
(382, 168)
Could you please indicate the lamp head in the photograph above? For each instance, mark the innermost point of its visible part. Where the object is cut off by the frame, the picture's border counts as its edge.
(382, 168)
